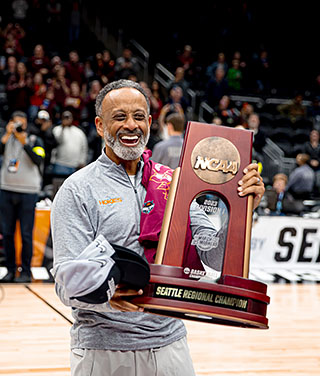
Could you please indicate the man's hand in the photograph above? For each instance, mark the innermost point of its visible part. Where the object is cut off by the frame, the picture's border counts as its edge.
(46, 125)
(117, 301)
(252, 183)
(10, 127)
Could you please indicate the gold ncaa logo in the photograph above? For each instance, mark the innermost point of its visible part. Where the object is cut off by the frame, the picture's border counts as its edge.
(215, 160)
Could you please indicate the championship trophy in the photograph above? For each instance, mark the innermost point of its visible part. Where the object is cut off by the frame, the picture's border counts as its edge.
(210, 285)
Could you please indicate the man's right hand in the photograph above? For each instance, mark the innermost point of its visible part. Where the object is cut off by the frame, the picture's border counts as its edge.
(119, 303)
(10, 127)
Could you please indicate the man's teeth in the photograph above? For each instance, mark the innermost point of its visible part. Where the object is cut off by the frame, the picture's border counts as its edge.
(130, 138)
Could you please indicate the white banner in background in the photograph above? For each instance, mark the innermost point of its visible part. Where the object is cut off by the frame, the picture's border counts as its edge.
(286, 243)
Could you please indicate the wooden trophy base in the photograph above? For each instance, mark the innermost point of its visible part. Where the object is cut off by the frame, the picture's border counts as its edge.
(232, 301)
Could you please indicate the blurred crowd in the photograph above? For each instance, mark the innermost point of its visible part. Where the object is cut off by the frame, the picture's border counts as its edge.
(49, 82)
(56, 90)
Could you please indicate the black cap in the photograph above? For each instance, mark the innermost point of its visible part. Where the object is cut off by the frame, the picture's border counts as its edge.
(66, 115)
(135, 270)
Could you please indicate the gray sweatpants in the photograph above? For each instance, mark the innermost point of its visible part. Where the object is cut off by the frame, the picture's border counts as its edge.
(171, 360)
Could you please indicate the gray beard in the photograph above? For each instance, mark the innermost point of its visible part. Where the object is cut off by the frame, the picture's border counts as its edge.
(125, 152)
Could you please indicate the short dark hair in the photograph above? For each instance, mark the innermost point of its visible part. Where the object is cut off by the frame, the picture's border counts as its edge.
(19, 114)
(114, 85)
(177, 121)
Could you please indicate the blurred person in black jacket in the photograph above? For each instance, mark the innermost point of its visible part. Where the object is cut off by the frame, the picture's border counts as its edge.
(42, 127)
(259, 137)
(312, 148)
(278, 200)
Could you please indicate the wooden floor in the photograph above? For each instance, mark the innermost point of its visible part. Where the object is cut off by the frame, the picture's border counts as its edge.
(34, 336)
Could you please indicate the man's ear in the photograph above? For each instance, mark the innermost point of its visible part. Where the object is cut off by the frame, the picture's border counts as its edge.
(99, 126)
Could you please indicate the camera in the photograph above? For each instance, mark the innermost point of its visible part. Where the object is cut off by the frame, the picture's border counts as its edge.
(18, 126)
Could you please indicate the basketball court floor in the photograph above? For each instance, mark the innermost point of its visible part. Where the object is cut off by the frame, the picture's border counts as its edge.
(34, 335)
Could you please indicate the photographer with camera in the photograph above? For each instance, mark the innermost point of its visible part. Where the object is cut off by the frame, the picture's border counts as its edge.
(20, 184)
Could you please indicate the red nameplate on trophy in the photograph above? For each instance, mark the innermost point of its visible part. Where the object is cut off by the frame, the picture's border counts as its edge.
(202, 261)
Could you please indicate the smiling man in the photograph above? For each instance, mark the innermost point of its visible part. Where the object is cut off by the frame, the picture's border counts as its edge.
(124, 122)
(119, 200)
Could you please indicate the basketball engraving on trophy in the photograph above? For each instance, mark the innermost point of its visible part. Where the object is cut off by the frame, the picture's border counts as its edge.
(215, 160)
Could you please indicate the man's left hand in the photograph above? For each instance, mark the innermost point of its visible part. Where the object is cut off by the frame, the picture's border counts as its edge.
(252, 183)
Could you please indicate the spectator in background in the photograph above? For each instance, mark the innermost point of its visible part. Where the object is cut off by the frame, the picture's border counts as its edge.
(216, 88)
(21, 180)
(61, 86)
(155, 135)
(50, 105)
(185, 59)
(179, 80)
(295, 109)
(234, 76)
(39, 61)
(9, 69)
(75, 71)
(88, 72)
(104, 66)
(55, 65)
(312, 148)
(126, 65)
(301, 179)
(13, 35)
(228, 114)
(19, 89)
(216, 120)
(90, 100)
(167, 152)
(74, 102)
(72, 150)
(12, 46)
(246, 110)
(259, 137)
(38, 94)
(176, 99)
(168, 109)
(242, 64)
(42, 127)
(108, 65)
(278, 200)
(220, 63)
(157, 101)
(262, 72)
(97, 65)
(275, 195)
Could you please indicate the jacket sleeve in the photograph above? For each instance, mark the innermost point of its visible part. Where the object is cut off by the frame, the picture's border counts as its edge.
(82, 260)
(35, 151)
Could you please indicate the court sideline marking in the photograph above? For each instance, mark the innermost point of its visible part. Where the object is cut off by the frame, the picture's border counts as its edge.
(48, 304)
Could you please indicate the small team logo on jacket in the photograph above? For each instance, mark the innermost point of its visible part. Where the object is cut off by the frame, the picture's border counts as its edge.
(147, 207)
(109, 201)
(161, 179)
